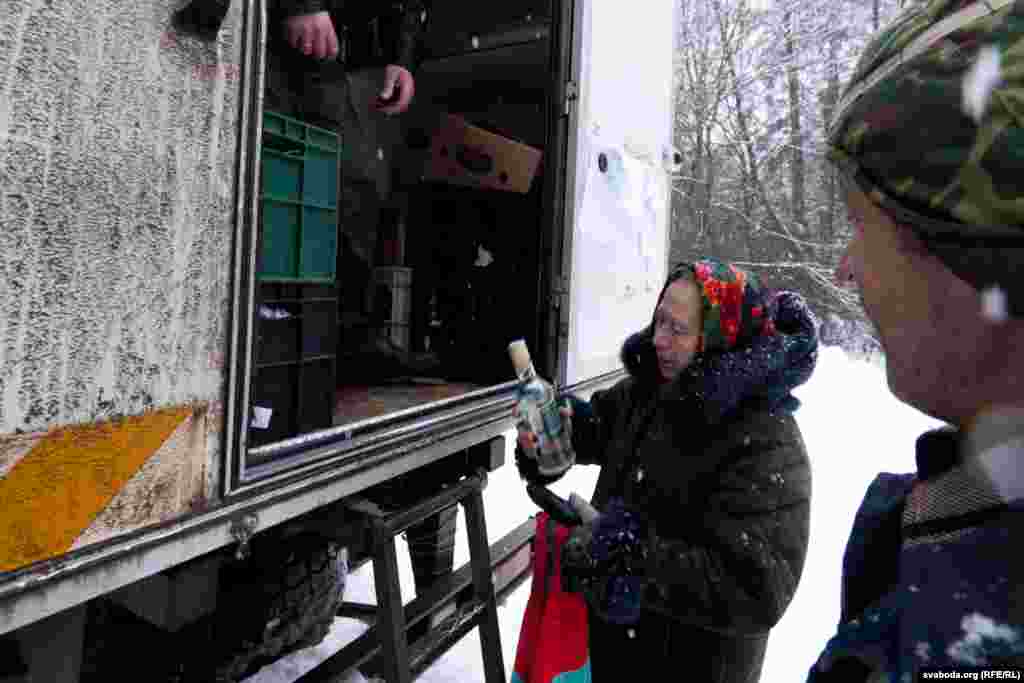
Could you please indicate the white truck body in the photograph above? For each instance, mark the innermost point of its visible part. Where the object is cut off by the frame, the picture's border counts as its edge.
(128, 157)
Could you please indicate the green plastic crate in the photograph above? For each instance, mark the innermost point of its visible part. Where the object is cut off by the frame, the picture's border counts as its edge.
(299, 201)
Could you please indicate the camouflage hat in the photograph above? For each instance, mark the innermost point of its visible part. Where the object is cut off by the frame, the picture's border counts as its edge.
(931, 128)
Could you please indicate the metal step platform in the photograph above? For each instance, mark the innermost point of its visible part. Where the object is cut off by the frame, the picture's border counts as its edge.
(456, 603)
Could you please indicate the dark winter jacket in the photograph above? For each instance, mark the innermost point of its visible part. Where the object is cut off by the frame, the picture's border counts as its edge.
(932, 571)
(716, 464)
(369, 33)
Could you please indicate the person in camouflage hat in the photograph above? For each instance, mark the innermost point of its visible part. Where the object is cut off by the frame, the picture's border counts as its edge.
(930, 137)
(930, 129)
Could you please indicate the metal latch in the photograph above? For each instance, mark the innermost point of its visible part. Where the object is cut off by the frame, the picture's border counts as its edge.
(242, 530)
(572, 93)
(559, 287)
(560, 304)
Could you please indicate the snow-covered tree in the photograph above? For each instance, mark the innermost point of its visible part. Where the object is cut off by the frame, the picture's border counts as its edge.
(757, 82)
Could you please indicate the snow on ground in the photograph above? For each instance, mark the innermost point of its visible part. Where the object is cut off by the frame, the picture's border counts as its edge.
(853, 428)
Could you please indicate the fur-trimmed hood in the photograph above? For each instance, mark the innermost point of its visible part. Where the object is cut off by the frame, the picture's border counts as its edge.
(768, 367)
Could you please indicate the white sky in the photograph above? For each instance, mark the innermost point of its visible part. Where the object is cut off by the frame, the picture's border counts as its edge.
(853, 428)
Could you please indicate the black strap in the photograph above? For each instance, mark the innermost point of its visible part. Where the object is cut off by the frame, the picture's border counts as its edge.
(549, 561)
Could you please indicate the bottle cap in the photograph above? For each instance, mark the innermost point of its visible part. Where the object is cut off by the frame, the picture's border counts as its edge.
(520, 356)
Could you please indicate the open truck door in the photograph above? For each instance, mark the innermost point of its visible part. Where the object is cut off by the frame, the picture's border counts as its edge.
(618, 125)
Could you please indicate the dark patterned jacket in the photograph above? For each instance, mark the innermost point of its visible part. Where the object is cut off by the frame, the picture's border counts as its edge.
(932, 570)
(716, 465)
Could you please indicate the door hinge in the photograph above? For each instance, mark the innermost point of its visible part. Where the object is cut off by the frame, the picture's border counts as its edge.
(560, 302)
(242, 530)
(571, 95)
(559, 288)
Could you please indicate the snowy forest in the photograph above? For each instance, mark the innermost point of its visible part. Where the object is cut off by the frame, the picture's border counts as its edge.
(756, 84)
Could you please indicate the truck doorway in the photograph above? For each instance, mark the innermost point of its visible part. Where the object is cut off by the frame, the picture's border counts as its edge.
(398, 255)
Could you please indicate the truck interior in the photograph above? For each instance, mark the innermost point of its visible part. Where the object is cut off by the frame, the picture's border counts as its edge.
(400, 282)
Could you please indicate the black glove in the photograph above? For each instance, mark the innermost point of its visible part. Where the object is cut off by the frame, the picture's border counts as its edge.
(527, 467)
(605, 560)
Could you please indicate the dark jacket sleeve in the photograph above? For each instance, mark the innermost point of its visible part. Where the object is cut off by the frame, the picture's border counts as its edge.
(592, 422)
(291, 8)
(401, 25)
(738, 570)
(412, 21)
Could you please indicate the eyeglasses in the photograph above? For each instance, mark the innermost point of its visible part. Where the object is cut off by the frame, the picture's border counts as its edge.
(680, 270)
(673, 327)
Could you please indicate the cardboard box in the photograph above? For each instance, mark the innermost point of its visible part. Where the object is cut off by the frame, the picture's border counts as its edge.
(462, 154)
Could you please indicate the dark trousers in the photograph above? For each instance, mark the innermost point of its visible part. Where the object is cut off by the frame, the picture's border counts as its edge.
(326, 95)
(677, 651)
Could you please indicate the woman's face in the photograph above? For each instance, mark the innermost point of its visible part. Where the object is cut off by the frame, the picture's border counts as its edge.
(677, 328)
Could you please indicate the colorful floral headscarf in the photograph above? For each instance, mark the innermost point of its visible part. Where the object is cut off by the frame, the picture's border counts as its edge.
(734, 304)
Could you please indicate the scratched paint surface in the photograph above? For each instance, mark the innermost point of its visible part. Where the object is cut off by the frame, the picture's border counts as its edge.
(70, 476)
(117, 153)
(168, 484)
(14, 447)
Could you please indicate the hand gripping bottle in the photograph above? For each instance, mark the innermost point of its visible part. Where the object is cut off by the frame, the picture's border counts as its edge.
(539, 412)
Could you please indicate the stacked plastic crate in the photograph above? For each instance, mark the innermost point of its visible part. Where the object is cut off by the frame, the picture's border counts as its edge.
(296, 317)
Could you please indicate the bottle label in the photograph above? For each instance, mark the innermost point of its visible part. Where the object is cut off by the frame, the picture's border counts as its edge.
(552, 419)
(543, 418)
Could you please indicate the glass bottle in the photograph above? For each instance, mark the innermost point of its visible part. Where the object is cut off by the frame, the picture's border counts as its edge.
(539, 413)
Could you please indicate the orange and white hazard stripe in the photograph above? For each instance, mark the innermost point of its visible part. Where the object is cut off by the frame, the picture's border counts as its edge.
(77, 485)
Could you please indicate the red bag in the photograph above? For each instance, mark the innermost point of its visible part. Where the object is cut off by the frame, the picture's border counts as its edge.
(553, 639)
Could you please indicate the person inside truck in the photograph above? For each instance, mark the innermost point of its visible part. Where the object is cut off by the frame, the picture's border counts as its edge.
(930, 577)
(356, 36)
(349, 67)
(704, 489)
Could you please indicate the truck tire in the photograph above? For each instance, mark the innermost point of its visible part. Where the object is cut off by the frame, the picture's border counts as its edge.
(282, 598)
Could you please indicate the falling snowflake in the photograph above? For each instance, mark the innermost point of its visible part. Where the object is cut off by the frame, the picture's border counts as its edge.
(993, 305)
(983, 638)
(923, 652)
(980, 81)
(484, 258)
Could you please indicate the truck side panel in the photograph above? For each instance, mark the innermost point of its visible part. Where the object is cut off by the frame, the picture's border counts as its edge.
(117, 174)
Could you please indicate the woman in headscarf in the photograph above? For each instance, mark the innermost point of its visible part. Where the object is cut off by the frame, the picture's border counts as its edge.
(704, 489)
